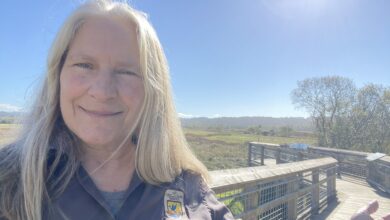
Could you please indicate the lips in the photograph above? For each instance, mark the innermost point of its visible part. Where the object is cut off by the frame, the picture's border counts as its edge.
(99, 113)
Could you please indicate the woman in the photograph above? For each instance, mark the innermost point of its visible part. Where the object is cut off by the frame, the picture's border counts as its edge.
(103, 140)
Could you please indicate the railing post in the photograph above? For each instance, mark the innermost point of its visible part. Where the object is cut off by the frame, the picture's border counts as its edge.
(315, 192)
(253, 203)
(277, 156)
(339, 161)
(300, 156)
(370, 170)
(292, 188)
(387, 182)
(249, 155)
(262, 155)
(330, 184)
(368, 164)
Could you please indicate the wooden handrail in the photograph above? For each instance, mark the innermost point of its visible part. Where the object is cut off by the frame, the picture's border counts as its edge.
(242, 177)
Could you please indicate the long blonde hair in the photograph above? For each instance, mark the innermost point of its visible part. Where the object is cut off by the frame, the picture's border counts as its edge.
(162, 151)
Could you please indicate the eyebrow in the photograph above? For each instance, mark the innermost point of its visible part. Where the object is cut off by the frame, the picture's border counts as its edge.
(80, 56)
(124, 64)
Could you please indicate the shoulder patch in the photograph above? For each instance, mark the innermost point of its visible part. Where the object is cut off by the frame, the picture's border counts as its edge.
(174, 204)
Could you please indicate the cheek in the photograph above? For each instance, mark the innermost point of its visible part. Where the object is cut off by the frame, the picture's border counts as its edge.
(71, 87)
(133, 92)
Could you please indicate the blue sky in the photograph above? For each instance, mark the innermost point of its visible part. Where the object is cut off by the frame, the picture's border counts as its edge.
(227, 57)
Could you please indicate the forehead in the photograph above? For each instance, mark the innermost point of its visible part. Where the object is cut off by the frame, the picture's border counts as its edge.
(103, 36)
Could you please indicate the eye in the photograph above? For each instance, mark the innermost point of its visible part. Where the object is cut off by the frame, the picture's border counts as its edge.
(126, 72)
(84, 65)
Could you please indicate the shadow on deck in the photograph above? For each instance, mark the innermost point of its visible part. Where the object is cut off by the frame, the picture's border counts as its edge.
(353, 194)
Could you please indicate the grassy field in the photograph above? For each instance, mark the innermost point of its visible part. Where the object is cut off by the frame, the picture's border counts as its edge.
(8, 133)
(217, 150)
(233, 137)
(229, 149)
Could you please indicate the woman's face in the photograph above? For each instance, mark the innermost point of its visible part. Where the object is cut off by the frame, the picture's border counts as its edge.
(101, 88)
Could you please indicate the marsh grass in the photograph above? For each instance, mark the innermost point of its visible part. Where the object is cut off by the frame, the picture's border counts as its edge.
(8, 133)
(216, 149)
(229, 149)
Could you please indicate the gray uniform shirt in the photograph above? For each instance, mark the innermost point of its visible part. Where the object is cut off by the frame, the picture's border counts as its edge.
(82, 200)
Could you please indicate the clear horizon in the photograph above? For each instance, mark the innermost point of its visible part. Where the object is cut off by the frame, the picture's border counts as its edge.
(227, 58)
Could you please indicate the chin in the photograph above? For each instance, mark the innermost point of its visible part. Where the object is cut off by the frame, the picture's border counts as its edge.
(96, 140)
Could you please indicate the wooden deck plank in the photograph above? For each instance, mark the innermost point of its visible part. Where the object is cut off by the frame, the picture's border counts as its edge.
(354, 195)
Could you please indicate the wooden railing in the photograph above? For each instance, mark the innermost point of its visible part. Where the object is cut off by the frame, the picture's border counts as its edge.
(350, 163)
(300, 185)
(287, 191)
(355, 163)
(379, 173)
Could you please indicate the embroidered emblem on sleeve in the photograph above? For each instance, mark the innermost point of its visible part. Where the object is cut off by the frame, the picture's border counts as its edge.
(174, 205)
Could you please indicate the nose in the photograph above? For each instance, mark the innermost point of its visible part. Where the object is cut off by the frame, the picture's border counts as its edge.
(103, 86)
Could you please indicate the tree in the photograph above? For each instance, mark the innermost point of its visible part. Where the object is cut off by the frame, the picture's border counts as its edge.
(285, 131)
(326, 99)
(254, 130)
(370, 119)
(346, 117)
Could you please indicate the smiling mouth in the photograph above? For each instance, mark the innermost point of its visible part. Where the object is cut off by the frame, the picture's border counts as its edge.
(99, 113)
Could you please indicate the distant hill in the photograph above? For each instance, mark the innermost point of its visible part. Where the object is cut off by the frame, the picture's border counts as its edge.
(297, 123)
(10, 117)
(10, 114)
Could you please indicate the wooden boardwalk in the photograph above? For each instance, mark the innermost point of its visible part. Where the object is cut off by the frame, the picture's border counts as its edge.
(352, 195)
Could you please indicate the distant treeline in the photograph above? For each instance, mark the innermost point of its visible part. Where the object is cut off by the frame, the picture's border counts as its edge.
(266, 123)
(10, 117)
(8, 120)
(283, 131)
